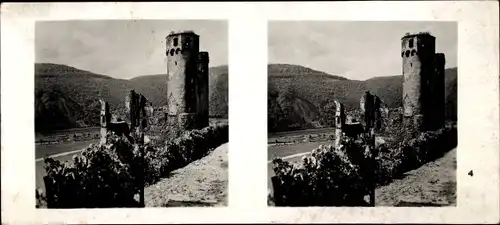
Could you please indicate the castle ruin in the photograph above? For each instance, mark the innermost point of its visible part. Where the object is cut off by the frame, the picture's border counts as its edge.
(187, 81)
(423, 86)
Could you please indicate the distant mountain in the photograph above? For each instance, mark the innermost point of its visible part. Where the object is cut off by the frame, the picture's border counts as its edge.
(67, 97)
(318, 90)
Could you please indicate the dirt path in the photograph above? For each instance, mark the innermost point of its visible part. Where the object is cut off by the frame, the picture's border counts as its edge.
(201, 183)
(433, 184)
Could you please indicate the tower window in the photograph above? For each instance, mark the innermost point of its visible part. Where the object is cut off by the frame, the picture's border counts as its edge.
(407, 53)
(413, 52)
(178, 51)
(176, 41)
(402, 54)
(410, 43)
(166, 53)
(172, 51)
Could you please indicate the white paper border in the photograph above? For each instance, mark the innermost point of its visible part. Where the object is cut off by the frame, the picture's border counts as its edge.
(478, 114)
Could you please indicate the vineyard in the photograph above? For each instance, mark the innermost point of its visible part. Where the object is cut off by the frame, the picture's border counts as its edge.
(346, 174)
(113, 175)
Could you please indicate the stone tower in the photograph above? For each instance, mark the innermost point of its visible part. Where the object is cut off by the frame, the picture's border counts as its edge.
(418, 53)
(186, 86)
(439, 91)
(202, 90)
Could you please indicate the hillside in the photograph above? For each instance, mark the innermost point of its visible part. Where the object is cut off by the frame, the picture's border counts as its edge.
(154, 87)
(72, 94)
(320, 89)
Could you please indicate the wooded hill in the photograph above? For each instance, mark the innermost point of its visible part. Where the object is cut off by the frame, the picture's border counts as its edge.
(67, 97)
(300, 97)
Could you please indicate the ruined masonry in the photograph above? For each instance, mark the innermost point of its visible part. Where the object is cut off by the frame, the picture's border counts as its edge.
(340, 118)
(423, 86)
(187, 81)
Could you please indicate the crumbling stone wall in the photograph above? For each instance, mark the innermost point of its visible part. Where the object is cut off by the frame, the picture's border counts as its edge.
(187, 81)
(420, 86)
(438, 92)
(340, 119)
(202, 89)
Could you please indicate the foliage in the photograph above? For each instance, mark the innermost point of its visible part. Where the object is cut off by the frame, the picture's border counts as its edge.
(397, 158)
(179, 152)
(329, 177)
(110, 175)
(103, 176)
(343, 176)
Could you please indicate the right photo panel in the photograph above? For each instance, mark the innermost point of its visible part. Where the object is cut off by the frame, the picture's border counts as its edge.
(362, 113)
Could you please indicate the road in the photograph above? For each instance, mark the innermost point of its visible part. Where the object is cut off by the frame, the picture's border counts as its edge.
(301, 132)
(61, 152)
(292, 152)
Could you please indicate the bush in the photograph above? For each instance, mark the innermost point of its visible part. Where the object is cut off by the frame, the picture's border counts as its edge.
(329, 177)
(399, 158)
(343, 176)
(192, 145)
(103, 176)
(110, 175)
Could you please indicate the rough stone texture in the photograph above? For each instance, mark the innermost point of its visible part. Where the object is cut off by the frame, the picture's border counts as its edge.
(105, 120)
(340, 118)
(138, 111)
(367, 104)
(439, 93)
(418, 54)
(187, 85)
(202, 89)
(377, 114)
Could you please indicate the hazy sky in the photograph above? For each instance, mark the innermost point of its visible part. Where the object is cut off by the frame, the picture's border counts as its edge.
(355, 50)
(123, 48)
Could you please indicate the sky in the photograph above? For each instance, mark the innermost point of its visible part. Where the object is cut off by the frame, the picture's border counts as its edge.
(352, 49)
(123, 48)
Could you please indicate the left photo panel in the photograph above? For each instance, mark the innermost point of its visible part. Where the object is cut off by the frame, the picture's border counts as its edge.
(131, 113)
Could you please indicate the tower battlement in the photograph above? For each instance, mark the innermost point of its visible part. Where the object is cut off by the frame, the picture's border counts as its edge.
(418, 34)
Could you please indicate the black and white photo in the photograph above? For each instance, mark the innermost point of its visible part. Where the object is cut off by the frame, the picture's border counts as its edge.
(362, 113)
(131, 113)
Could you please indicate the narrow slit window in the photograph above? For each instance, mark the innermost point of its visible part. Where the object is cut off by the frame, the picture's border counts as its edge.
(410, 43)
(176, 41)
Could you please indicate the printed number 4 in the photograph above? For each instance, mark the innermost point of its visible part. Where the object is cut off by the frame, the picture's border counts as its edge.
(471, 173)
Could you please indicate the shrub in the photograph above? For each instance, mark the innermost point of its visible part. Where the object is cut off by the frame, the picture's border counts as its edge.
(343, 176)
(110, 175)
(103, 176)
(329, 177)
(397, 159)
